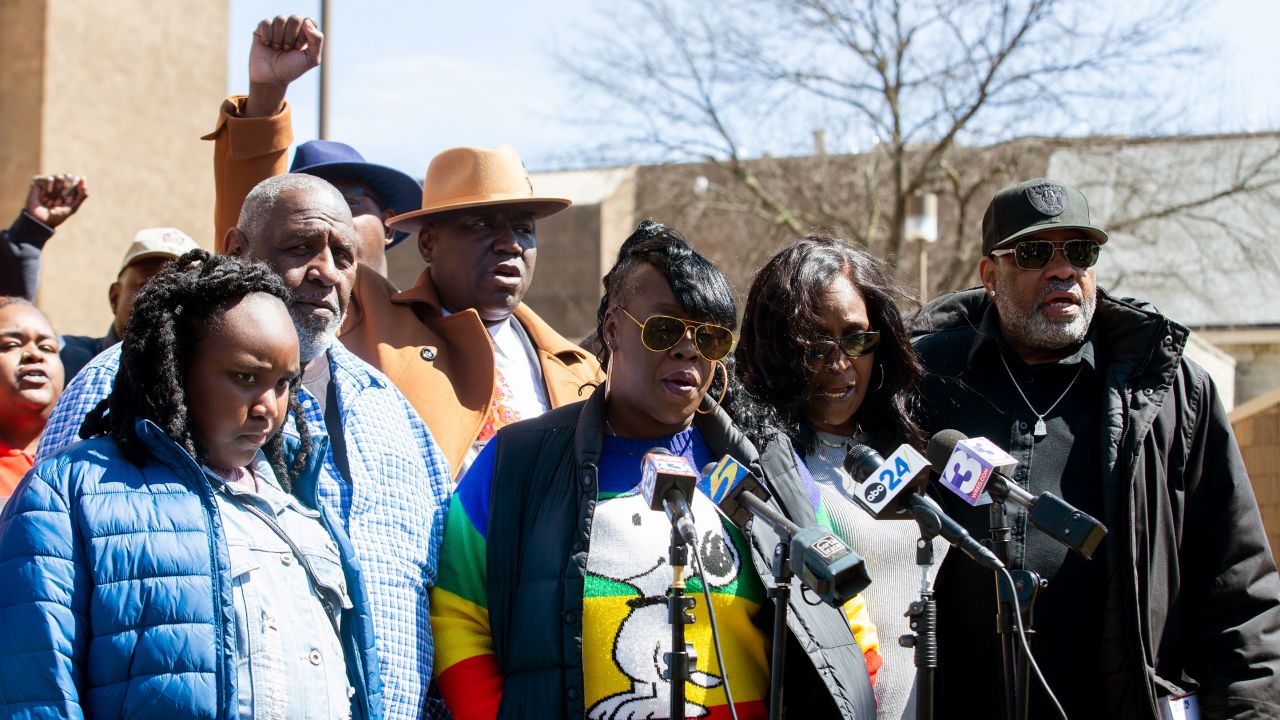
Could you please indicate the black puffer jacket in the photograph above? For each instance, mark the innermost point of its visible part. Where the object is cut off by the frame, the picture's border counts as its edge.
(542, 503)
(1193, 596)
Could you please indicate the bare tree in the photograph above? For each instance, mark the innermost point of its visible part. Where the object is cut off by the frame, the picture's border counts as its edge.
(907, 87)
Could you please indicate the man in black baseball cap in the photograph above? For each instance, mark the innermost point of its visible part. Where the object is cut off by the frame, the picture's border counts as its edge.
(1179, 605)
(1039, 246)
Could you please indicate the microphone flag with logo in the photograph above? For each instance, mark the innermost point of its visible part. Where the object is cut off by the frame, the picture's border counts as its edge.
(971, 466)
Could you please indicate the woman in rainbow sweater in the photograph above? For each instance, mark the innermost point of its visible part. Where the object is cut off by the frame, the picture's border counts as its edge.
(551, 595)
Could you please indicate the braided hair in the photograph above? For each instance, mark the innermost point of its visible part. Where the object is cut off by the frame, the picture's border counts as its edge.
(703, 292)
(174, 313)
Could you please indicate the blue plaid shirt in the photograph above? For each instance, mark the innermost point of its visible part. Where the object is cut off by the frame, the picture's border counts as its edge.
(393, 507)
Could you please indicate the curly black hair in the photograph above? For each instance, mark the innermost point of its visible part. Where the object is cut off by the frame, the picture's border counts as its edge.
(780, 321)
(174, 313)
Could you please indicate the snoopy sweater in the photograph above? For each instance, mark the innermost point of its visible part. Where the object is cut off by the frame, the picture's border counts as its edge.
(624, 617)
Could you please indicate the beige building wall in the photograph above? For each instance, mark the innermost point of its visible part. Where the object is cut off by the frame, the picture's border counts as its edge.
(1257, 361)
(119, 92)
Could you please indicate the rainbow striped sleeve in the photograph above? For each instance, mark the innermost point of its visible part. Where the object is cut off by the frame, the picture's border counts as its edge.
(465, 668)
(864, 630)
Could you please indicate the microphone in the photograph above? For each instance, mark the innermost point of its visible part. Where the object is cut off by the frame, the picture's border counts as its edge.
(667, 483)
(967, 466)
(883, 492)
(903, 472)
(821, 560)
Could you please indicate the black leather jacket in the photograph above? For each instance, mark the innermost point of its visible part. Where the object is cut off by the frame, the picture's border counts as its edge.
(1193, 598)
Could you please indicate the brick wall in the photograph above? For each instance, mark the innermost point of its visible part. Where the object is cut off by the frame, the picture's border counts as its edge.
(1258, 434)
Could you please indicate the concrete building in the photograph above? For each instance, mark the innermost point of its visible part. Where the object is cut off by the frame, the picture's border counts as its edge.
(119, 92)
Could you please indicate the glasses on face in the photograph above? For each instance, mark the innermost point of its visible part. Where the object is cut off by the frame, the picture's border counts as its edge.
(1035, 254)
(854, 345)
(660, 333)
(354, 195)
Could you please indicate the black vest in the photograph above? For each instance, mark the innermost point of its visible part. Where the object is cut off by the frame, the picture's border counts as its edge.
(541, 507)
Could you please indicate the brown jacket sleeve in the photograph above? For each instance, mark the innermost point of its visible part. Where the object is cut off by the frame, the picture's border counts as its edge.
(246, 151)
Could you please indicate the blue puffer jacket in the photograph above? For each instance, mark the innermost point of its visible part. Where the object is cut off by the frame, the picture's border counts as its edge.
(115, 590)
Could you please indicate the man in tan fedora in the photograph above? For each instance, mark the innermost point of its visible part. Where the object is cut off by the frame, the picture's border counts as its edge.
(459, 343)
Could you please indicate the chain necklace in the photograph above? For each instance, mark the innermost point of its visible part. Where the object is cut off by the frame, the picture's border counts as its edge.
(842, 444)
(1040, 429)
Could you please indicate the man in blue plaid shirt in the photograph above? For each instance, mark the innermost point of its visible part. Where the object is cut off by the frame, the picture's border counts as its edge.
(384, 476)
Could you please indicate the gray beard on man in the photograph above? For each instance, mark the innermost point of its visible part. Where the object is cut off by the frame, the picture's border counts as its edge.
(1028, 326)
(315, 333)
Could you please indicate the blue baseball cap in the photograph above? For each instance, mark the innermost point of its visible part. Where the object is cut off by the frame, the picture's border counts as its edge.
(339, 162)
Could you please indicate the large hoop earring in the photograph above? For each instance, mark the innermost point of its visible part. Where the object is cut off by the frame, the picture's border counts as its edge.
(877, 387)
(723, 390)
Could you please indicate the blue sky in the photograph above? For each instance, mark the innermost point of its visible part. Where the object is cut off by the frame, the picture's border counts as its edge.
(412, 78)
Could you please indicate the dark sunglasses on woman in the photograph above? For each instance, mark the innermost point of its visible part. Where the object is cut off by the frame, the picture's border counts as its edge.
(660, 333)
(1035, 254)
(854, 345)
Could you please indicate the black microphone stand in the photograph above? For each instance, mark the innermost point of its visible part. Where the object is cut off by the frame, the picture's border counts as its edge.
(924, 621)
(780, 593)
(682, 656)
(1026, 587)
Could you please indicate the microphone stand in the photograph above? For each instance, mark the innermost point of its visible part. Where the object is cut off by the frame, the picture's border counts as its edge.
(1026, 587)
(780, 593)
(682, 656)
(923, 614)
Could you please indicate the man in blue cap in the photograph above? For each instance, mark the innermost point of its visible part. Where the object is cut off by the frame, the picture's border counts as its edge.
(373, 192)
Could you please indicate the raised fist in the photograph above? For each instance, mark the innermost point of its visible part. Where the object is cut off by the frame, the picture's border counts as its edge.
(54, 198)
(283, 49)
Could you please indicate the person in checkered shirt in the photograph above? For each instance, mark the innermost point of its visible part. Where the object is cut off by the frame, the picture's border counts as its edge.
(384, 476)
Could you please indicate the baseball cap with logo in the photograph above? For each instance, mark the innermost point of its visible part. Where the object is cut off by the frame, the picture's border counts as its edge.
(157, 242)
(1035, 206)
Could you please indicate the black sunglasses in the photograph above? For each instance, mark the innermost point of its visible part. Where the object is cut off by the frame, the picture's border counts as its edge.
(853, 345)
(1035, 254)
(660, 333)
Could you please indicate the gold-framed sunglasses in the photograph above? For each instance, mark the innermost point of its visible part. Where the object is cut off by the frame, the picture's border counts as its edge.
(660, 333)
(854, 345)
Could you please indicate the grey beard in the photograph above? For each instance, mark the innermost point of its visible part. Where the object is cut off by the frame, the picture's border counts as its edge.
(1029, 327)
(315, 335)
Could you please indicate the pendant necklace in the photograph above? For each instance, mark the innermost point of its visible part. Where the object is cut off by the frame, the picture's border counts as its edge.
(1040, 429)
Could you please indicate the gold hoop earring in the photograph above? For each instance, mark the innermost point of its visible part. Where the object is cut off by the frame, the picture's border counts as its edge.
(724, 390)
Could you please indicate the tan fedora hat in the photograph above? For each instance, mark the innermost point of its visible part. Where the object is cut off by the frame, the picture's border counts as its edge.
(468, 177)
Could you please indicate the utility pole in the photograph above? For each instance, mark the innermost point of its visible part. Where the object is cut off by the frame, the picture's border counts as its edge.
(327, 29)
(921, 225)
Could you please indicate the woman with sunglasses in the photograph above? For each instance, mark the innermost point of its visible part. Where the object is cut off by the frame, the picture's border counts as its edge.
(174, 564)
(824, 343)
(551, 598)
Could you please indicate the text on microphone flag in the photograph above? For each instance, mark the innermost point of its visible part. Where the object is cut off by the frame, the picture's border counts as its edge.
(971, 465)
(902, 466)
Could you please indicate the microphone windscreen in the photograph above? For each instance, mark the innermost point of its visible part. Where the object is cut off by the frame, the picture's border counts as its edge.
(941, 445)
(861, 461)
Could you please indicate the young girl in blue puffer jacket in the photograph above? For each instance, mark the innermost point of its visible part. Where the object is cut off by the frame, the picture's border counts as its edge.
(174, 565)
